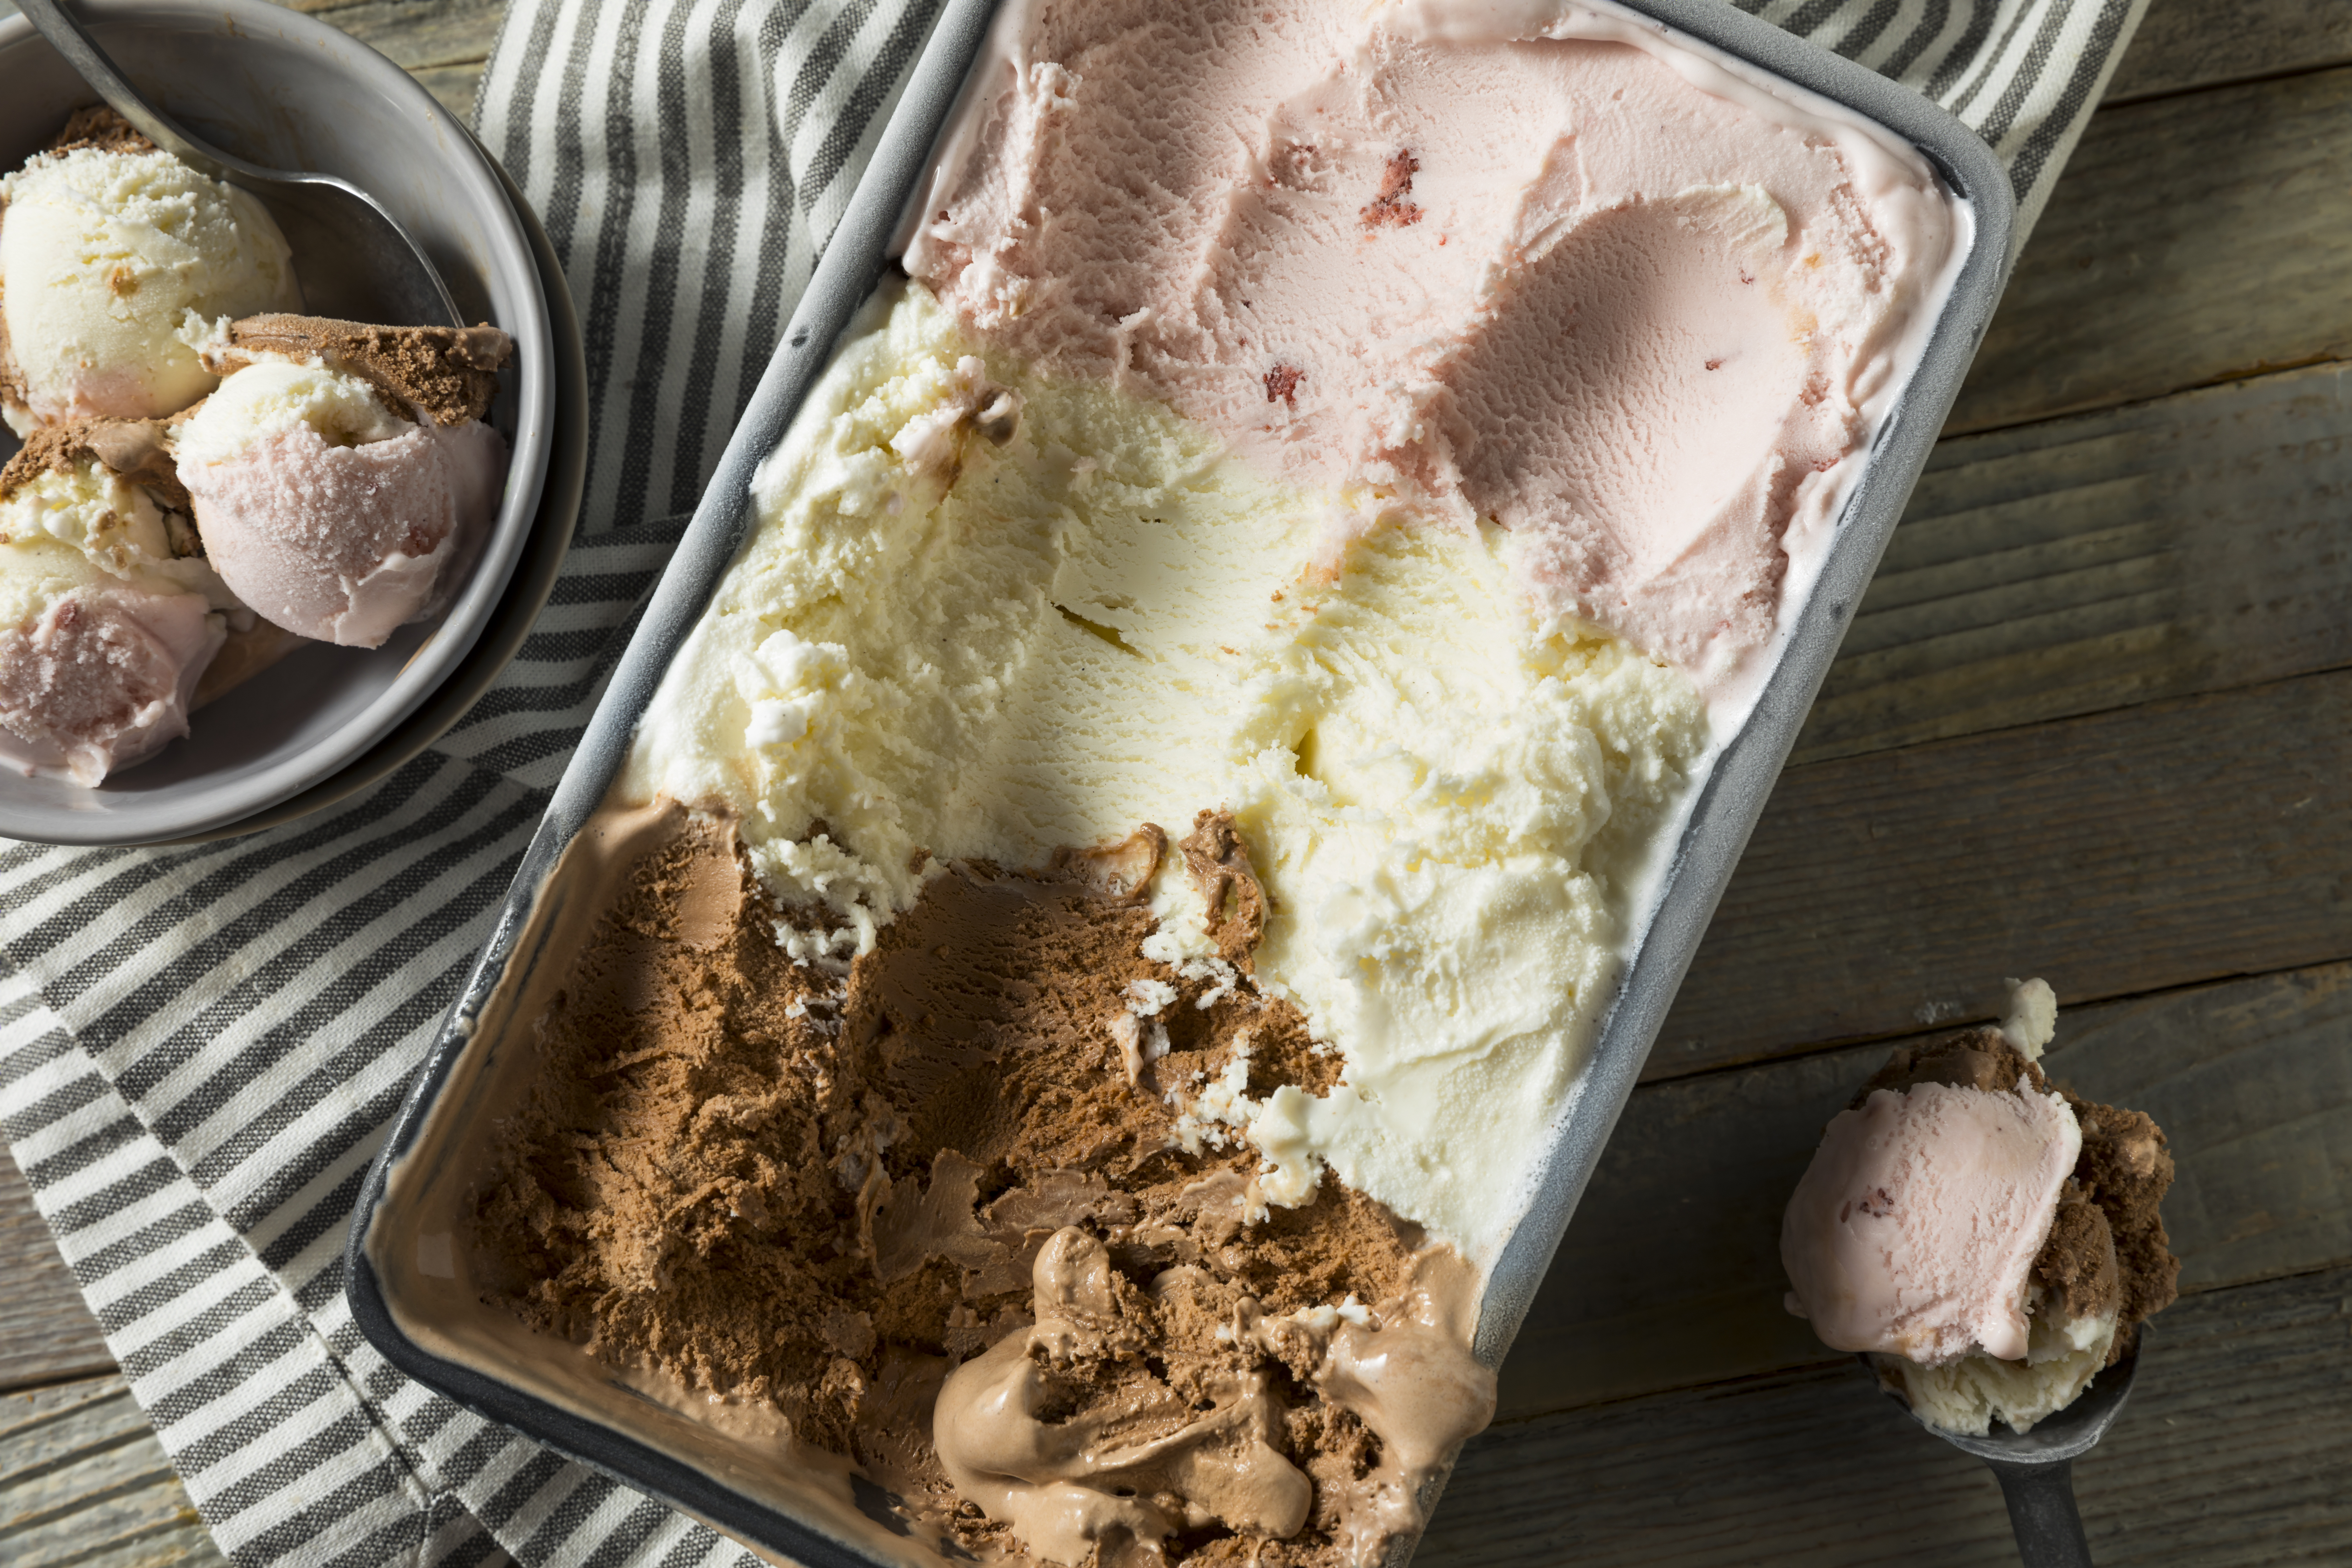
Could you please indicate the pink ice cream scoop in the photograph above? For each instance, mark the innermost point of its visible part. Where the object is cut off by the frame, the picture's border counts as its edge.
(100, 679)
(1917, 1224)
(346, 543)
(342, 478)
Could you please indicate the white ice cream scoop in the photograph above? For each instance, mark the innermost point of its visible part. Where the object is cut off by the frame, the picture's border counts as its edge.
(356, 259)
(117, 263)
(2036, 1468)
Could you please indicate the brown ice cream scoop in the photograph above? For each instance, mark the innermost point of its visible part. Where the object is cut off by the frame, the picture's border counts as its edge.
(448, 374)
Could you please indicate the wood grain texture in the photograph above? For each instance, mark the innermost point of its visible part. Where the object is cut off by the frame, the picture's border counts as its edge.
(2160, 846)
(47, 1333)
(415, 33)
(2190, 240)
(2233, 1450)
(2185, 545)
(2187, 44)
(1669, 1274)
(84, 1482)
(444, 44)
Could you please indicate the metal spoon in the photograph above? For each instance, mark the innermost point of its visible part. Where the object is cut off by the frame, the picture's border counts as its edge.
(356, 260)
(2036, 1468)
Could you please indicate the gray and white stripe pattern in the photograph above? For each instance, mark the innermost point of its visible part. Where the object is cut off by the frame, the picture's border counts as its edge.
(2022, 74)
(200, 1047)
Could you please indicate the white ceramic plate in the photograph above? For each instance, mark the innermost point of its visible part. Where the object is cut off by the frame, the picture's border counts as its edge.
(284, 90)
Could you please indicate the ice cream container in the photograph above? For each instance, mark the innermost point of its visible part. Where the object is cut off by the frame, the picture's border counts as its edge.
(745, 1475)
(285, 90)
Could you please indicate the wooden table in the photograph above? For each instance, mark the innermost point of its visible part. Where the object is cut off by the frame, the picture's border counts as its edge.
(2092, 722)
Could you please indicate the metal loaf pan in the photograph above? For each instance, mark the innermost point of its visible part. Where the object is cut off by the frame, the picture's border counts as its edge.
(748, 1491)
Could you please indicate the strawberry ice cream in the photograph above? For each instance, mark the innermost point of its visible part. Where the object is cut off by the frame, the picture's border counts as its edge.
(1462, 263)
(342, 473)
(109, 617)
(1942, 1197)
(102, 679)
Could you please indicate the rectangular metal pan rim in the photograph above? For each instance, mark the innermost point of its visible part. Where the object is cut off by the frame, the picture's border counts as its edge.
(1721, 818)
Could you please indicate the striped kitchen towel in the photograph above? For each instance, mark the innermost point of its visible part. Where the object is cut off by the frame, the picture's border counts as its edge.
(200, 1048)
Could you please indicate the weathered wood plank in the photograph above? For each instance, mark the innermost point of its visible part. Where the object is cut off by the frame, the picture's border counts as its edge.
(2118, 853)
(2182, 45)
(2185, 545)
(2190, 240)
(1670, 1273)
(83, 1480)
(444, 44)
(415, 33)
(2233, 1450)
(47, 1333)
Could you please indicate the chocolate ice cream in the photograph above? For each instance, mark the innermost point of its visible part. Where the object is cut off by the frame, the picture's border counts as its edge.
(946, 1213)
(449, 373)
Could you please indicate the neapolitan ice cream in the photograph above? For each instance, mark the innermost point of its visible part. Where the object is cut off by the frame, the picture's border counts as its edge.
(340, 486)
(343, 472)
(1989, 1241)
(1108, 906)
(117, 263)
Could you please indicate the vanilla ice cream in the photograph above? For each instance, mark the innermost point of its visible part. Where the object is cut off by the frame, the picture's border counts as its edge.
(328, 497)
(116, 267)
(1141, 842)
(1453, 802)
(1983, 1238)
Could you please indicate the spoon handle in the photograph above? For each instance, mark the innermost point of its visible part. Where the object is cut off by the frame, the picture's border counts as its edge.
(66, 35)
(2042, 1514)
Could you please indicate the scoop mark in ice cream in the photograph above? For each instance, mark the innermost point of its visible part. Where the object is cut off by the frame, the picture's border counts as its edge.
(922, 1210)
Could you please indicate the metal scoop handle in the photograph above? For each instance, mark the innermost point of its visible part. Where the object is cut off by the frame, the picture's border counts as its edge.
(2042, 1513)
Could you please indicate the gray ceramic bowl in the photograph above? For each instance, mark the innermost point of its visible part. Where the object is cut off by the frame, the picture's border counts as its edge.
(283, 90)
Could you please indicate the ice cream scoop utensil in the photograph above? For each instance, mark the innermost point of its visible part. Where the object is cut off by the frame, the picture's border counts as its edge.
(2036, 1468)
(355, 258)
